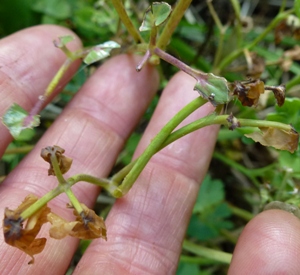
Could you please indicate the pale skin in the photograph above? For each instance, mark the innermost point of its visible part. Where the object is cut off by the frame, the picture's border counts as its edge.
(147, 226)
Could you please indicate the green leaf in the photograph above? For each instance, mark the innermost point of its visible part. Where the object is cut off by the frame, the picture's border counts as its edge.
(211, 193)
(100, 52)
(289, 113)
(297, 8)
(213, 88)
(16, 119)
(59, 9)
(63, 40)
(155, 15)
(161, 12)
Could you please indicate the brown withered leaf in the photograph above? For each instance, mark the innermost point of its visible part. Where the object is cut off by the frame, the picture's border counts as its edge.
(25, 238)
(288, 27)
(248, 92)
(279, 93)
(289, 56)
(87, 225)
(63, 161)
(277, 138)
(256, 65)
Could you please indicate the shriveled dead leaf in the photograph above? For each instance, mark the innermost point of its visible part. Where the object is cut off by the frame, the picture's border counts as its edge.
(63, 161)
(87, 225)
(288, 27)
(248, 92)
(25, 238)
(255, 65)
(277, 138)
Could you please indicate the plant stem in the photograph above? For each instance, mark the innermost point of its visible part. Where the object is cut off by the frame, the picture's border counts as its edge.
(157, 142)
(293, 82)
(62, 182)
(222, 31)
(172, 23)
(227, 60)
(41, 202)
(54, 82)
(19, 150)
(246, 215)
(118, 4)
(109, 185)
(177, 63)
(216, 255)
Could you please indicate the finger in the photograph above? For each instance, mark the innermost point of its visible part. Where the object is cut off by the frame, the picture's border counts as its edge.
(269, 244)
(147, 226)
(28, 61)
(92, 129)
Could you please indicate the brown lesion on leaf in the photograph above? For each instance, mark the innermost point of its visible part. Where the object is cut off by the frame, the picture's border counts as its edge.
(87, 225)
(63, 161)
(24, 238)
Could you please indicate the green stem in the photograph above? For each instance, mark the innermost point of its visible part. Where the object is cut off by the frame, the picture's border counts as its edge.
(109, 185)
(118, 4)
(172, 23)
(56, 169)
(156, 143)
(282, 186)
(246, 215)
(19, 150)
(227, 60)
(41, 202)
(54, 82)
(196, 260)
(74, 201)
(62, 182)
(293, 82)
(237, 167)
(216, 255)
(165, 137)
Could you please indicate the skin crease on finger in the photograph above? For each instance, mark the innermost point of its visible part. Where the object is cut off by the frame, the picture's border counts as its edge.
(147, 226)
(92, 140)
(269, 245)
(28, 61)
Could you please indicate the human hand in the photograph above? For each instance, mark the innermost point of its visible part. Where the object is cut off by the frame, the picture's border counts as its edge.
(147, 226)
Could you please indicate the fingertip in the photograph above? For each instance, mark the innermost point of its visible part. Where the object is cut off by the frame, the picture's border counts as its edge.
(269, 244)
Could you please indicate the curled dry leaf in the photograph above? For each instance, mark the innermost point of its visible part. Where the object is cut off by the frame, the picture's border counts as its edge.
(87, 225)
(277, 138)
(288, 27)
(25, 238)
(279, 93)
(248, 92)
(256, 65)
(63, 161)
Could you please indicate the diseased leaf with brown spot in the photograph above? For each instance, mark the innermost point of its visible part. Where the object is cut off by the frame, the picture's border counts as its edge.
(25, 238)
(277, 138)
(87, 225)
(63, 161)
(248, 92)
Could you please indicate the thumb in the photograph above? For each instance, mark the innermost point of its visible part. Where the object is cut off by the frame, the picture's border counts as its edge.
(269, 244)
